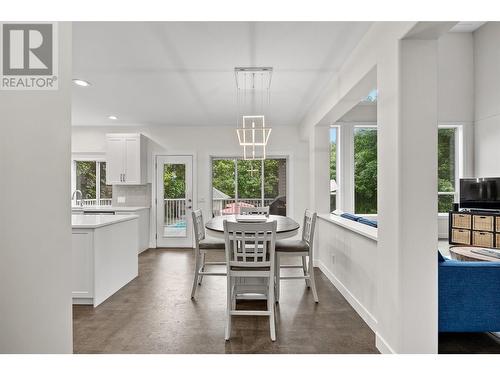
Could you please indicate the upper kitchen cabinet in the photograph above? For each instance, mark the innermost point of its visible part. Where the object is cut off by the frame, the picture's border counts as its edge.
(126, 158)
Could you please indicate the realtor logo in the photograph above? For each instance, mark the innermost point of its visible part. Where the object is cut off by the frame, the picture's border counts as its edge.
(28, 58)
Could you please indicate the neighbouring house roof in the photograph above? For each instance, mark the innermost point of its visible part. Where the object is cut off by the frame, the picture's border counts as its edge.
(217, 194)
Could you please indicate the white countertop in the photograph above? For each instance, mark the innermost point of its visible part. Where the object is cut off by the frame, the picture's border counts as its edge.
(98, 221)
(362, 229)
(110, 208)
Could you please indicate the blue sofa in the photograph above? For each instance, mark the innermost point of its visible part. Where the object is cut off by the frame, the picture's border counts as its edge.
(469, 296)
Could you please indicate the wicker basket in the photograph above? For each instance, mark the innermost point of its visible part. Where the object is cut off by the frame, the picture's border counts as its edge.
(460, 236)
(483, 239)
(483, 223)
(497, 242)
(497, 220)
(461, 221)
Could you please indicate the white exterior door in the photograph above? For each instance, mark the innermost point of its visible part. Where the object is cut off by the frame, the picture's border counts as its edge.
(174, 201)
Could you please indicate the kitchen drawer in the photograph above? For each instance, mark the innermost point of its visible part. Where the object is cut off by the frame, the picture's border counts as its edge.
(483, 223)
(483, 239)
(461, 221)
(461, 236)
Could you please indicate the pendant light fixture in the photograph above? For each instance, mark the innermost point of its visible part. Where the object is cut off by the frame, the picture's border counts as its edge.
(252, 97)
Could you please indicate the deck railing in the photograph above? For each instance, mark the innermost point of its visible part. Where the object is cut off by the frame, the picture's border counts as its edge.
(229, 206)
(175, 210)
(94, 202)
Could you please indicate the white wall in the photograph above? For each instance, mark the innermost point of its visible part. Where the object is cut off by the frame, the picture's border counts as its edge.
(487, 100)
(205, 142)
(347, 259)
(35, 219)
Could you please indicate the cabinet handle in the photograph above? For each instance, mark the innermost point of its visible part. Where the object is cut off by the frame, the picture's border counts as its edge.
(124, 177)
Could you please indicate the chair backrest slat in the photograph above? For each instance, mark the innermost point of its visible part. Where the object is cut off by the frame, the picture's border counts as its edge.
(308, 227)
(250, 244)
(254, 210)
(198, 226)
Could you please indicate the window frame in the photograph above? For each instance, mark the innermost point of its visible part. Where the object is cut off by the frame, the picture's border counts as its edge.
(338, 172)
(98, 159)
(459, 144)
(235, 158)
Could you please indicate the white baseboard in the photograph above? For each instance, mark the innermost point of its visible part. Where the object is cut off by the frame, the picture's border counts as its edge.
(353, 301)
(382, 345)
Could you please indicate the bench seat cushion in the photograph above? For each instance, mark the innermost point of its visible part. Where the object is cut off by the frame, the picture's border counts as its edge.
(291, 246)
(210, 243)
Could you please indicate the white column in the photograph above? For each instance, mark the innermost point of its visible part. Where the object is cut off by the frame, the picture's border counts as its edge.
(346, 169)
(35, 215)
(319, 172)
(407, 205)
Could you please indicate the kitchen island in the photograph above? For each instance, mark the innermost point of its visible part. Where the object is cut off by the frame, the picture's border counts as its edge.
(104, 256)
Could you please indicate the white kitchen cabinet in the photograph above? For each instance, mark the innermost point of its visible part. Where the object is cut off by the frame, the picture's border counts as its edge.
(126, 159)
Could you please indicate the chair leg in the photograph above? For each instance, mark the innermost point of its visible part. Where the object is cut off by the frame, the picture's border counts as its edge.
(304, 268)
(311, 280)
(196, 270)
(278, 275)
(228, 309)
(202, 268)
(270, 306)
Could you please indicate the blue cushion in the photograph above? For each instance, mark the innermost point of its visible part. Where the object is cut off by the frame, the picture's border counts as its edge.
(370, 222)
(440, 257)
(349, 216)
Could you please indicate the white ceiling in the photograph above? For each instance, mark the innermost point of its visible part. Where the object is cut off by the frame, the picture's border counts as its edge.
(181, 73)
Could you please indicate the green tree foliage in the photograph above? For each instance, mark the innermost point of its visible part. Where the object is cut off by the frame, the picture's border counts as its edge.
(86, 178)
(174, 180)
(249, 177)
(446, 168)
(365, 171)
(333, 161)
(223, 176)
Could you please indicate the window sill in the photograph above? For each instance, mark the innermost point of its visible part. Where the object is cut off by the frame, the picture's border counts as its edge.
(361, 229)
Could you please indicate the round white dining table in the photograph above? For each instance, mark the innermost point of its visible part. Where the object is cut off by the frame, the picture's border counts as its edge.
(286, 227)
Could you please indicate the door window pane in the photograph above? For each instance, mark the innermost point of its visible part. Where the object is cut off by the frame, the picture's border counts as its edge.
(223, 186)
(275, 186)
(86, 178)
(333, 169)
(365, 170)
(174, 183)
(249, 183)
(237, 182)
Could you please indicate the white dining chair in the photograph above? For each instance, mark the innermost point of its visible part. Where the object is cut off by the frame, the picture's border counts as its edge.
(203, 245)
(250, 254)
(255, 211)
(298, 247)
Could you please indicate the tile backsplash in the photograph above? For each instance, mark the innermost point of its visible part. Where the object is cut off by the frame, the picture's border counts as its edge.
(133, 195)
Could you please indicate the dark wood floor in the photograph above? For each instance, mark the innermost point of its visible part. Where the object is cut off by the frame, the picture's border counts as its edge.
(469, 343)
(154, 314)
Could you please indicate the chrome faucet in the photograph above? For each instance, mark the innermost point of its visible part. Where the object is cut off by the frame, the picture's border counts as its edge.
(74, 196)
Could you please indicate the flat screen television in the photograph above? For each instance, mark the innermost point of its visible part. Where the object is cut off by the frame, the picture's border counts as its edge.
(480, 193)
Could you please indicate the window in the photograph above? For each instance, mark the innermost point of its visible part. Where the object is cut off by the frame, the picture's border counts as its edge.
(89, 176)
(447, 167)
(365, 170)
(237, 183)
(333, 168)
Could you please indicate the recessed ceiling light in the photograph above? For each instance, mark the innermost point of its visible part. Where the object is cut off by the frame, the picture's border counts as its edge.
(81, 82)
(113, 117)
